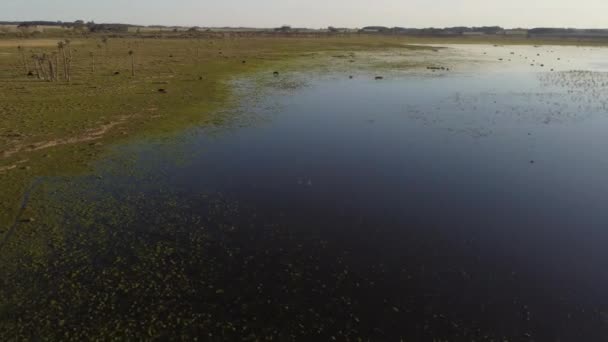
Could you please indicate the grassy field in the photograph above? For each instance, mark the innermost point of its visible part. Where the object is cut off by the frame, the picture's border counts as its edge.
(58, 128)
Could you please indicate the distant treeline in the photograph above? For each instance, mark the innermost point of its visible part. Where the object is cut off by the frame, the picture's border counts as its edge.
(447, 31)
(431, 30)
(563, 32)
(78, 24)
(490, 30)
(32, 23)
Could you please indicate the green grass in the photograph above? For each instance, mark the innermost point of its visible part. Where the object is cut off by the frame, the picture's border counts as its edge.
(59, 128)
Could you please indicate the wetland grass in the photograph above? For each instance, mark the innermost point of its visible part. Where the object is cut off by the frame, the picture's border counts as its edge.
(94, 102)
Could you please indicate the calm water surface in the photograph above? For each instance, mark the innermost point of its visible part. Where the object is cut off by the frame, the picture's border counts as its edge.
(462, 204)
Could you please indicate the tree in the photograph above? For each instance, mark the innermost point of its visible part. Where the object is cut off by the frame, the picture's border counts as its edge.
(92, 55)
(66, 52)
(56, 66)
(61, 49)
(45, 68)
(52, 69)
(132, 54)
(36, 60)
(79, 25)
(23, 59)
(284, 28)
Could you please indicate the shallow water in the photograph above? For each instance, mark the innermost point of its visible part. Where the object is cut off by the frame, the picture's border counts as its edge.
(459, 204)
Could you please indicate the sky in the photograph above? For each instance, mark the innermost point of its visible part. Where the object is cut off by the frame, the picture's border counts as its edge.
(317, 13)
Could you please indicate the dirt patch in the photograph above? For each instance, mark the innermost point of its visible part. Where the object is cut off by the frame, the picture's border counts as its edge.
(7, 168)
(12, 166)
(8, 43)
(90, 135)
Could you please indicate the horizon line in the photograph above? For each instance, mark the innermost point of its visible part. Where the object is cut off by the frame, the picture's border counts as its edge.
(299, 27)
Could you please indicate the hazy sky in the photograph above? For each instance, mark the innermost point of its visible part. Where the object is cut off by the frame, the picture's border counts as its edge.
(317, 13)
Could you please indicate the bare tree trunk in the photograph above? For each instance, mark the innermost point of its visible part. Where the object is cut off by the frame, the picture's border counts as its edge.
(69, 63)
(38, 73)
(65, 64)
(24, 60)
(69, 68)
(45, 76)
(51, 70)
(56, 67)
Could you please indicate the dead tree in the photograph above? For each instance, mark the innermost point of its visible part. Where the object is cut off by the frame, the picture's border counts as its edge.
(46, 66)
(69, 54)
(40, 63)
(45, 74)
(37, 66)
(23, 59)
(66, 53)
(132, 54)
(61, 48)
(56, 66)
(92, 55)
(51, 69)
